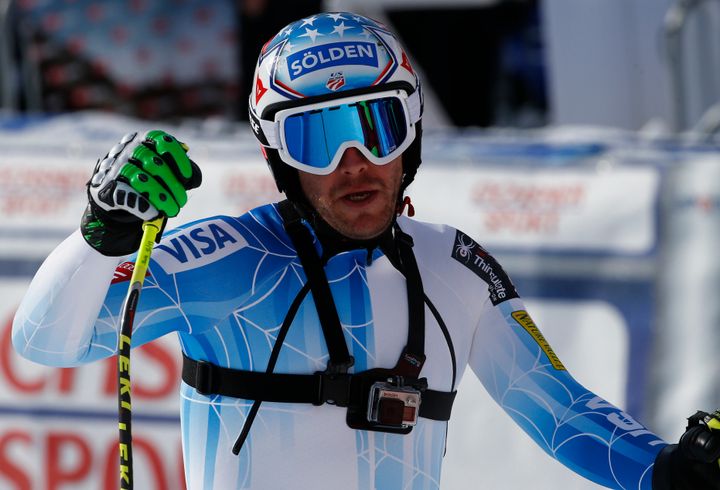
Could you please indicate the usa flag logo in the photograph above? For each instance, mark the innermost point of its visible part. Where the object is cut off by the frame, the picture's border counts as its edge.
(336, 81)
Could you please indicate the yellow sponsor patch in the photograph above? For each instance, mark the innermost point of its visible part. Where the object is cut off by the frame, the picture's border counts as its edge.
(524, 320)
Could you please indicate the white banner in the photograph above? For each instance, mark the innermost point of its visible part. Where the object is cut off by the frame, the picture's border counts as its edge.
(577, 209)
(58, 427)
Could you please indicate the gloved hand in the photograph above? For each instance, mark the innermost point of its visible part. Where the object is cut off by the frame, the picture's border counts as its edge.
(693, 463)
(139, 179)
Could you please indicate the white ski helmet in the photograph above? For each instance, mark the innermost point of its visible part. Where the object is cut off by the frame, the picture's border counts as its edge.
(328, 82)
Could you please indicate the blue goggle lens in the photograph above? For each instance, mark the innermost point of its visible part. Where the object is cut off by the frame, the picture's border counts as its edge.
(315, 136)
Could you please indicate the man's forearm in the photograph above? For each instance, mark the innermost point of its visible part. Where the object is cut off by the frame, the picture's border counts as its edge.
(54, 323)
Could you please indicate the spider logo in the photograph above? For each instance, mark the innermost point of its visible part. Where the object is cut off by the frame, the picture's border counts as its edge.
(463, 249)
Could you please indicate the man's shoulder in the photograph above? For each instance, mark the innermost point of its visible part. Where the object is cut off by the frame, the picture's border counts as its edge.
(433, 235)
(452, 240)
(423, 229)
(451, 251)
(432, 242)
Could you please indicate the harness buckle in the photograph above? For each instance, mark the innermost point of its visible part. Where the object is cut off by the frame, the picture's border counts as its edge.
(340, 367)
(334, 389)
(204, 378)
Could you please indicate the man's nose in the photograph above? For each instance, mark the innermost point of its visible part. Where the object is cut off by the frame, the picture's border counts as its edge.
(353, 162)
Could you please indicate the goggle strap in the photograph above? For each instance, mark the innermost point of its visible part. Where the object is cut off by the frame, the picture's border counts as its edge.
(272, 133)
(414, 106)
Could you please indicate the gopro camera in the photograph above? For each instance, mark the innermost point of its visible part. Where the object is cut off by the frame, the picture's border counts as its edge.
(391, 404)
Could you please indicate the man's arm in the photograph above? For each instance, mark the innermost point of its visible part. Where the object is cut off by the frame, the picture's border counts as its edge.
(583, 431)
(139, 179)
(54, 322)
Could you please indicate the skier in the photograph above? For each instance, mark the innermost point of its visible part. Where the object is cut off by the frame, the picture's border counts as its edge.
(324, 337)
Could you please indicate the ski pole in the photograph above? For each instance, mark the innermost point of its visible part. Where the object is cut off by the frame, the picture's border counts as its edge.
(151, 230)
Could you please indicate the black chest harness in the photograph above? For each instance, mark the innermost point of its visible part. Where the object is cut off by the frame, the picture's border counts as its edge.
(386, 400)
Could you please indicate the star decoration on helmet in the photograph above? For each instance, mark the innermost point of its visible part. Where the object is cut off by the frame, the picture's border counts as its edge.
(340, 29)
(309, 21)
(311, 33)
(336, 16)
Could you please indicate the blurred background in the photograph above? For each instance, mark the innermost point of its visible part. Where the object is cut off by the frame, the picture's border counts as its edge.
(576, 140)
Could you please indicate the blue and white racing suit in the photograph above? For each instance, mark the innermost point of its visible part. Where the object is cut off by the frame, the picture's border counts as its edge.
(225, 285)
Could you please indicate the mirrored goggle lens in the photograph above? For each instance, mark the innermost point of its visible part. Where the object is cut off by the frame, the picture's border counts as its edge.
(314, 137)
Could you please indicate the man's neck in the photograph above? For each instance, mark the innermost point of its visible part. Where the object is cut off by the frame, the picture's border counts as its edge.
(333, 242)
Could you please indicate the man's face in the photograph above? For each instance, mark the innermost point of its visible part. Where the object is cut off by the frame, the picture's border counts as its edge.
(358, 199)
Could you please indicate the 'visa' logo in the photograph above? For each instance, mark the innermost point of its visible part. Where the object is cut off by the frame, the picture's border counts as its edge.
(210, 241)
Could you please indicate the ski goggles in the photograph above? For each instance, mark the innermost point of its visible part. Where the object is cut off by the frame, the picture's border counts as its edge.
(313, 137)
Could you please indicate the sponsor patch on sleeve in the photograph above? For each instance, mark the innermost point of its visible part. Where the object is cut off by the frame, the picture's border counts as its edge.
(124, 272)
(205, 243)
(523, 319)
(477, 259)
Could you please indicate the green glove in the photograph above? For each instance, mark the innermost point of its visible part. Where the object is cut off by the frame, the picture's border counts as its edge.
(138, 180)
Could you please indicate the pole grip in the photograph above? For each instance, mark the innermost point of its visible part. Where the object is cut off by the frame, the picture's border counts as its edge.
(151, 229)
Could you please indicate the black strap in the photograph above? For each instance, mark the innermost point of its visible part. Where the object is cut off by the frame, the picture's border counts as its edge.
(407, 265)
(448, 338)
(205, 372)
(413, 357)
(316, 388)
(340, 358)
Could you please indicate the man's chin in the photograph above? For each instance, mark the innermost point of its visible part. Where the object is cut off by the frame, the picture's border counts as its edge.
(362, 228)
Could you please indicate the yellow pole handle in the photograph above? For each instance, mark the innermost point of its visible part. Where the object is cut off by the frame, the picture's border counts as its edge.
(142, 262)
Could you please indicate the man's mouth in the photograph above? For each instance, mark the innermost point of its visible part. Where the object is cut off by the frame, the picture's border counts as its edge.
(358, 196)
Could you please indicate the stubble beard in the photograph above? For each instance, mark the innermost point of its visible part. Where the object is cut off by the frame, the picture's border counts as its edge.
(358, 227)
